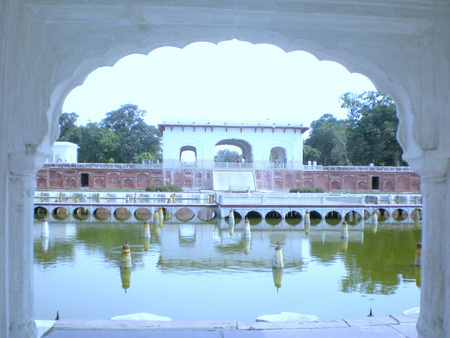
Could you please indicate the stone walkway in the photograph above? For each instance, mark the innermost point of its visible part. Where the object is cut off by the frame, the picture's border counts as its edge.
(390, 326)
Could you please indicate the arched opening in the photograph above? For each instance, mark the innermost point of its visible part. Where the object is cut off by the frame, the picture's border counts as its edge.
(233, 151)
(254, 217)
(333, 218)
(237, 217)
(60, 213)
(206, 214)
(184, 214)
(122, 214)
(273, 218)
(293, 218)
(278, 157)
(383, 214)
(142, 214)
(81, 213)
(352, 218)
(40, 212)
(102, 214)
(399, 215)
(188, 156)
(315, 217)
(279, 163)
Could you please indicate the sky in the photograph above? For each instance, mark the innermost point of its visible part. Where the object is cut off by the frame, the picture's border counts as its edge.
(230, 81)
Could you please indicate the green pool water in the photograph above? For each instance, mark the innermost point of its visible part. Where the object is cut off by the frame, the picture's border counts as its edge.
(194, 271)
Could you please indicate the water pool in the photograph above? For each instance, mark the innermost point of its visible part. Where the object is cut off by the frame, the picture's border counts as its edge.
(194, 271)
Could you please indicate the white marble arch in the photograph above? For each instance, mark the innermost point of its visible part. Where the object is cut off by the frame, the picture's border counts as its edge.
(49, 47)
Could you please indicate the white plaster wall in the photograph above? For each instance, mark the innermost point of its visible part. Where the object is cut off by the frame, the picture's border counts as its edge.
(261, 142)
(65, 151)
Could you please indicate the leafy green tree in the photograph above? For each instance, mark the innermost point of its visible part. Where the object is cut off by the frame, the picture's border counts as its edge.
(339, 134)
(89, 149)
(136, 137)
(310, 154)
(226, 155)
(328, 137)
(108, 143)
(68, 129)
(145, 156)
(372, 128)
(121, 137)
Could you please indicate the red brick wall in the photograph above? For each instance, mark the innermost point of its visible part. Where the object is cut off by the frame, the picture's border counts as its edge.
(71, 178)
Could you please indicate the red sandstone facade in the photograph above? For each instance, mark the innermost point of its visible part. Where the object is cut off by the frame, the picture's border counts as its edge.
(139, 177)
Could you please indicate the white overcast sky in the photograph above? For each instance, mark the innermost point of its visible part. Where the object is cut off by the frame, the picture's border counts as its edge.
(233, 80)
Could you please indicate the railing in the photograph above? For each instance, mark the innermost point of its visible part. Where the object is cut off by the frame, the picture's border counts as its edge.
(104, 165)
(188, 164)
(239, 188)
(278, 165)
(335, 199)
(355, 168)
(233, 165)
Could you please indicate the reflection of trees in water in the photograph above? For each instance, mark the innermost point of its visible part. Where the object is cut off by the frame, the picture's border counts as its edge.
(376, 266)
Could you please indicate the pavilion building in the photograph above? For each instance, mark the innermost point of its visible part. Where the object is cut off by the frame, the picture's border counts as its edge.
(263, 145)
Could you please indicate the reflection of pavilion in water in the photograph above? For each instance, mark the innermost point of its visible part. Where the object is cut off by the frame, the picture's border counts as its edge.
(206, 247)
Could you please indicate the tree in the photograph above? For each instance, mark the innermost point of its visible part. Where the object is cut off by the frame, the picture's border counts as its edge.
(328, 137)
(136, 137)
(146, 156)
(368, 135)
(226, 155)
(372, 128)
(121, 137)
(68, 129)
(310, 154)
(108, 143)
(338, 154)
(89, 138)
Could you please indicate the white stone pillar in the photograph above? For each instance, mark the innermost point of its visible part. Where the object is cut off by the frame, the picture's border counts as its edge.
(20, 255)
(434, 320)
(17, 307)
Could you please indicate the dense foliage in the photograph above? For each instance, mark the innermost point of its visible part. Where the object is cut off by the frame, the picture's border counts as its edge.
(368, 135)
(121, 137)
(226, 155)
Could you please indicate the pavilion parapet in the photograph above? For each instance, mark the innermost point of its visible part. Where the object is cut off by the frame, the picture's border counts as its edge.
(231, 165)
(234, 165)
(355, 168)
(105, 165)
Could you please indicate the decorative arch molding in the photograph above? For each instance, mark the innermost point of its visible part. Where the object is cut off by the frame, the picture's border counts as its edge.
(346, 58)
(71, 61)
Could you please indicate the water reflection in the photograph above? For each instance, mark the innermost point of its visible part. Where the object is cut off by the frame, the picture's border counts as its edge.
(198, 263)
(378, 265)
(125, 277)
(277, 274)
